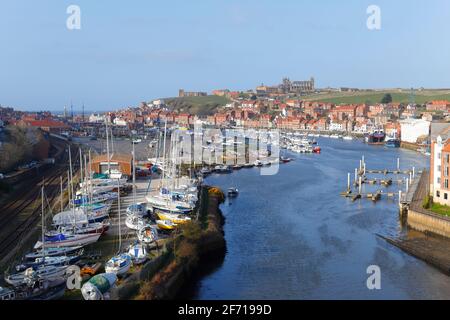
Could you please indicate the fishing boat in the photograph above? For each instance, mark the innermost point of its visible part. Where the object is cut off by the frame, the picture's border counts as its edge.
(392, 143)
(347, 137)
(165, 225)
(52, 252)
(285, 159)
(119, 264)
(98, 286)
(317, 149)
(233, 192)
(377, 137)
(40, 289)
(147, 234)
(138, 253)
(43, 272)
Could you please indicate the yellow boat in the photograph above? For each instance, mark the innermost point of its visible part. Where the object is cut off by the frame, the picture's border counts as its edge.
(165, 224)
(173, 217)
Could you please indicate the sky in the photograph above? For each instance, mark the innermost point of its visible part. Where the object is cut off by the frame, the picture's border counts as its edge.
(132, 51)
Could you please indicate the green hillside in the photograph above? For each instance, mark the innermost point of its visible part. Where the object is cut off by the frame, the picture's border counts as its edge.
(197, 105)
(376, 96)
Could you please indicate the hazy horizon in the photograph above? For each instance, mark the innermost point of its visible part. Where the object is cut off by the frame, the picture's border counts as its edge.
(125, 54)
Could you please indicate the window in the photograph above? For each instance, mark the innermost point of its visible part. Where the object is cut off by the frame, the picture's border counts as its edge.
(439, 168)
(446, 183)
(438, 194)
(439, 155)
(445, 196)
(447, 157)
(439, 180)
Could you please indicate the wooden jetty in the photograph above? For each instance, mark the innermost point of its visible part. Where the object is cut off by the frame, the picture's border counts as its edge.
(360, 177)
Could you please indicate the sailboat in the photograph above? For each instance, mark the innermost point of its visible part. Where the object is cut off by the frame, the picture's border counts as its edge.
(120, 263)
(138, 253)
(147, 234)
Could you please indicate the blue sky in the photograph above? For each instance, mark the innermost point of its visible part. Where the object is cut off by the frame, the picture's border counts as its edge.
(133, 51)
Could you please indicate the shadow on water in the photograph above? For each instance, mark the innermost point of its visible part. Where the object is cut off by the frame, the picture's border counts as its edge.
(208, 264)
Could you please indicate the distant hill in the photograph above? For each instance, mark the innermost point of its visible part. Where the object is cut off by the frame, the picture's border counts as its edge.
(197, 105)
(376, 96)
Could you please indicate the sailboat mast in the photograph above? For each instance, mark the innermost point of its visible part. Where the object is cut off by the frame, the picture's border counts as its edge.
(164, 154)
(61, 194)
(118, 208)
(42, 222)
(71, 178)
(134, 174)
(107, 146)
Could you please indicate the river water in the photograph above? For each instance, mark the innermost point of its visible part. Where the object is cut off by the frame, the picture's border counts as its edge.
(292, 236)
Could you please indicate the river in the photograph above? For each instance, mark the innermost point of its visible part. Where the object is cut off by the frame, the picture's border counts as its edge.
(292, 236)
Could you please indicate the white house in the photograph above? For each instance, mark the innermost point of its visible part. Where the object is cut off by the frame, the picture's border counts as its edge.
(412, 129)
(120, 122)
(97, 118)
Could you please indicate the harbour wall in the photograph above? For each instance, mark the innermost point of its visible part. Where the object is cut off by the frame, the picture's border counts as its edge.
(425, 221)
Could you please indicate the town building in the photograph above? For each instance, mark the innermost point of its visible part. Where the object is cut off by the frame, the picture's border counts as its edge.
(121, 162)
(182, 93)
(414, 130)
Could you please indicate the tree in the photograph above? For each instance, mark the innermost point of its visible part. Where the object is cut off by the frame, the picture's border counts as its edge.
(387, 98)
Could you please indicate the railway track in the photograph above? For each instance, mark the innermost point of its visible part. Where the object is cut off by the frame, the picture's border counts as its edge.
(19, 217)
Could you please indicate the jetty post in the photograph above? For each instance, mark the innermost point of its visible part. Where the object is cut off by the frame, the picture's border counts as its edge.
(398, 164)
(413, 172)
(399, 196)
(360, 185)
(360, 165)
(356, 174)
(348, 182)
(407, 185)
(410, 178)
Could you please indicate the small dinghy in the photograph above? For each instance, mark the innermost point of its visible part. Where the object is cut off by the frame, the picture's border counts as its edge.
(233, 192)
(165, 225)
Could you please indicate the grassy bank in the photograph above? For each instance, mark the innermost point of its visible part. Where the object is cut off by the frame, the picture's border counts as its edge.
(371, 97)
(197, 105)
